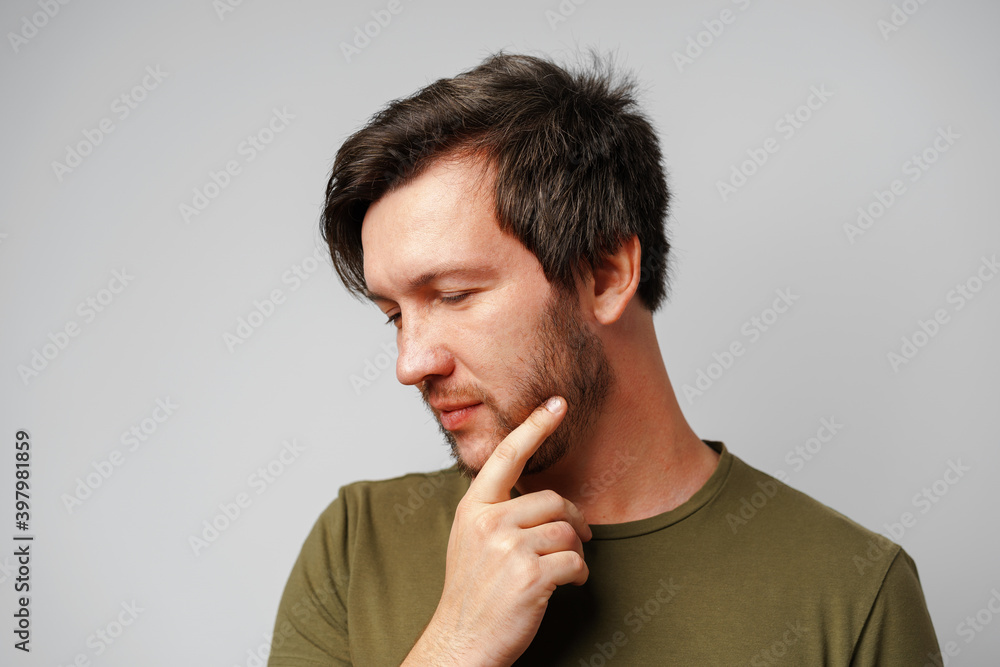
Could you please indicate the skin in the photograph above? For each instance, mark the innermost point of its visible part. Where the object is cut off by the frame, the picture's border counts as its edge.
(568, 360)
(499, 345)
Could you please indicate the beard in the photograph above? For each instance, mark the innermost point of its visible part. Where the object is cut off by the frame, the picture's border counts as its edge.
(569, 361)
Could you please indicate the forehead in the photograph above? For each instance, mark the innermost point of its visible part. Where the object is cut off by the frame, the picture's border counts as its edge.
(443, 219)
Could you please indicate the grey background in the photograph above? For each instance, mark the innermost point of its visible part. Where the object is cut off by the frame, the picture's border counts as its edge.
(162, 337)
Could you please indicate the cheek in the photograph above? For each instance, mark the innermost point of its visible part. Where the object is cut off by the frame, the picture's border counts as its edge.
(503, 344)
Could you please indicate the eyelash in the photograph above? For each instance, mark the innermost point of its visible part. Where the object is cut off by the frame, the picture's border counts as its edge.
(447, 299)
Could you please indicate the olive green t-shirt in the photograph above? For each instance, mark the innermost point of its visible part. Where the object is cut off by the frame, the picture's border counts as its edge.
(748, 571)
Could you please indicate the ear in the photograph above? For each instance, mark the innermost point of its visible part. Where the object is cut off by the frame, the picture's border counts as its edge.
(614, 281)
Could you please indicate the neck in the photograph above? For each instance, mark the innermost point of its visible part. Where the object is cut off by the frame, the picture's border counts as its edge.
(642, 458)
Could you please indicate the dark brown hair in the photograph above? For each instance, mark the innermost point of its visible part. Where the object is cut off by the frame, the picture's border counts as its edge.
(577, 165)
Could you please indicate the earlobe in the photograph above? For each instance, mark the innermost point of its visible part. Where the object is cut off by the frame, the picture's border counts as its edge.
(616, 281)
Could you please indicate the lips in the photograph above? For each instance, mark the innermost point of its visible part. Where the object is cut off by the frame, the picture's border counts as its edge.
(451, 407)
(455, 418)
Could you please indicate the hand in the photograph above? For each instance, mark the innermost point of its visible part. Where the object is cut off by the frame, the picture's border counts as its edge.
(505, 558)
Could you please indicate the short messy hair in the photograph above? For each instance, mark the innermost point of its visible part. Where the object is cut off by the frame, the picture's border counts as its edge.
(577, 166)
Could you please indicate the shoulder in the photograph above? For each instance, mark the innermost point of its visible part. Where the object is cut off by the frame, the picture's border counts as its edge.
(796, 527)
(411, 499)
(819, 563)
(433, 487)
(371, 519)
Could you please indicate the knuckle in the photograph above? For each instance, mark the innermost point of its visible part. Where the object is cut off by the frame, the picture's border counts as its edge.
(527, 570)
(506, 451)
(550, 497)
(506, 545)
(486, 523)
(570, 508)
(560, 532)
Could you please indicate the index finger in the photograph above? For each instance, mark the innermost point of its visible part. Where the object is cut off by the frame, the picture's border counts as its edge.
(502, 469)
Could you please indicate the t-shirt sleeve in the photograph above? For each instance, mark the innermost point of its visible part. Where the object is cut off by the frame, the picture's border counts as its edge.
(311, 626)
(898, 630)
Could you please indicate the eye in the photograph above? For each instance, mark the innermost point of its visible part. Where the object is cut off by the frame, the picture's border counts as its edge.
(455, 298)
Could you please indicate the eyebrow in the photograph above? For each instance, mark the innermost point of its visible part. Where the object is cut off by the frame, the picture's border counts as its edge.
(425, 279)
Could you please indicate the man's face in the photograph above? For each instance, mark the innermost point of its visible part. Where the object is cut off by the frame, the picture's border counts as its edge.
(478, 323)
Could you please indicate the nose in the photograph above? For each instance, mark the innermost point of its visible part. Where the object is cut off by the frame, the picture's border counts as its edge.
(422, 352)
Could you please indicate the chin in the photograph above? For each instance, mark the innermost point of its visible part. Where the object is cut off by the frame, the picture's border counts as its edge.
(475, 451)
(471, 452)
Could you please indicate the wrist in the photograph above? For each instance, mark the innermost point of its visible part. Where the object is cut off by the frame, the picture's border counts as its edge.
(441, 646)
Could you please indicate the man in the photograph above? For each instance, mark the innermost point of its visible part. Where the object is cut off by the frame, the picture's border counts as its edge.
(509, 224)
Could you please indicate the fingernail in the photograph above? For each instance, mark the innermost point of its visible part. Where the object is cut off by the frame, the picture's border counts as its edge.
(554, 404)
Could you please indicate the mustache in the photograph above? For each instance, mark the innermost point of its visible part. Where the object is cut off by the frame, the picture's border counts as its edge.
(471, 395)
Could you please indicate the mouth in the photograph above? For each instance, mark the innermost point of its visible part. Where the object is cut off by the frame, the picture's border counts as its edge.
(454, 419)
